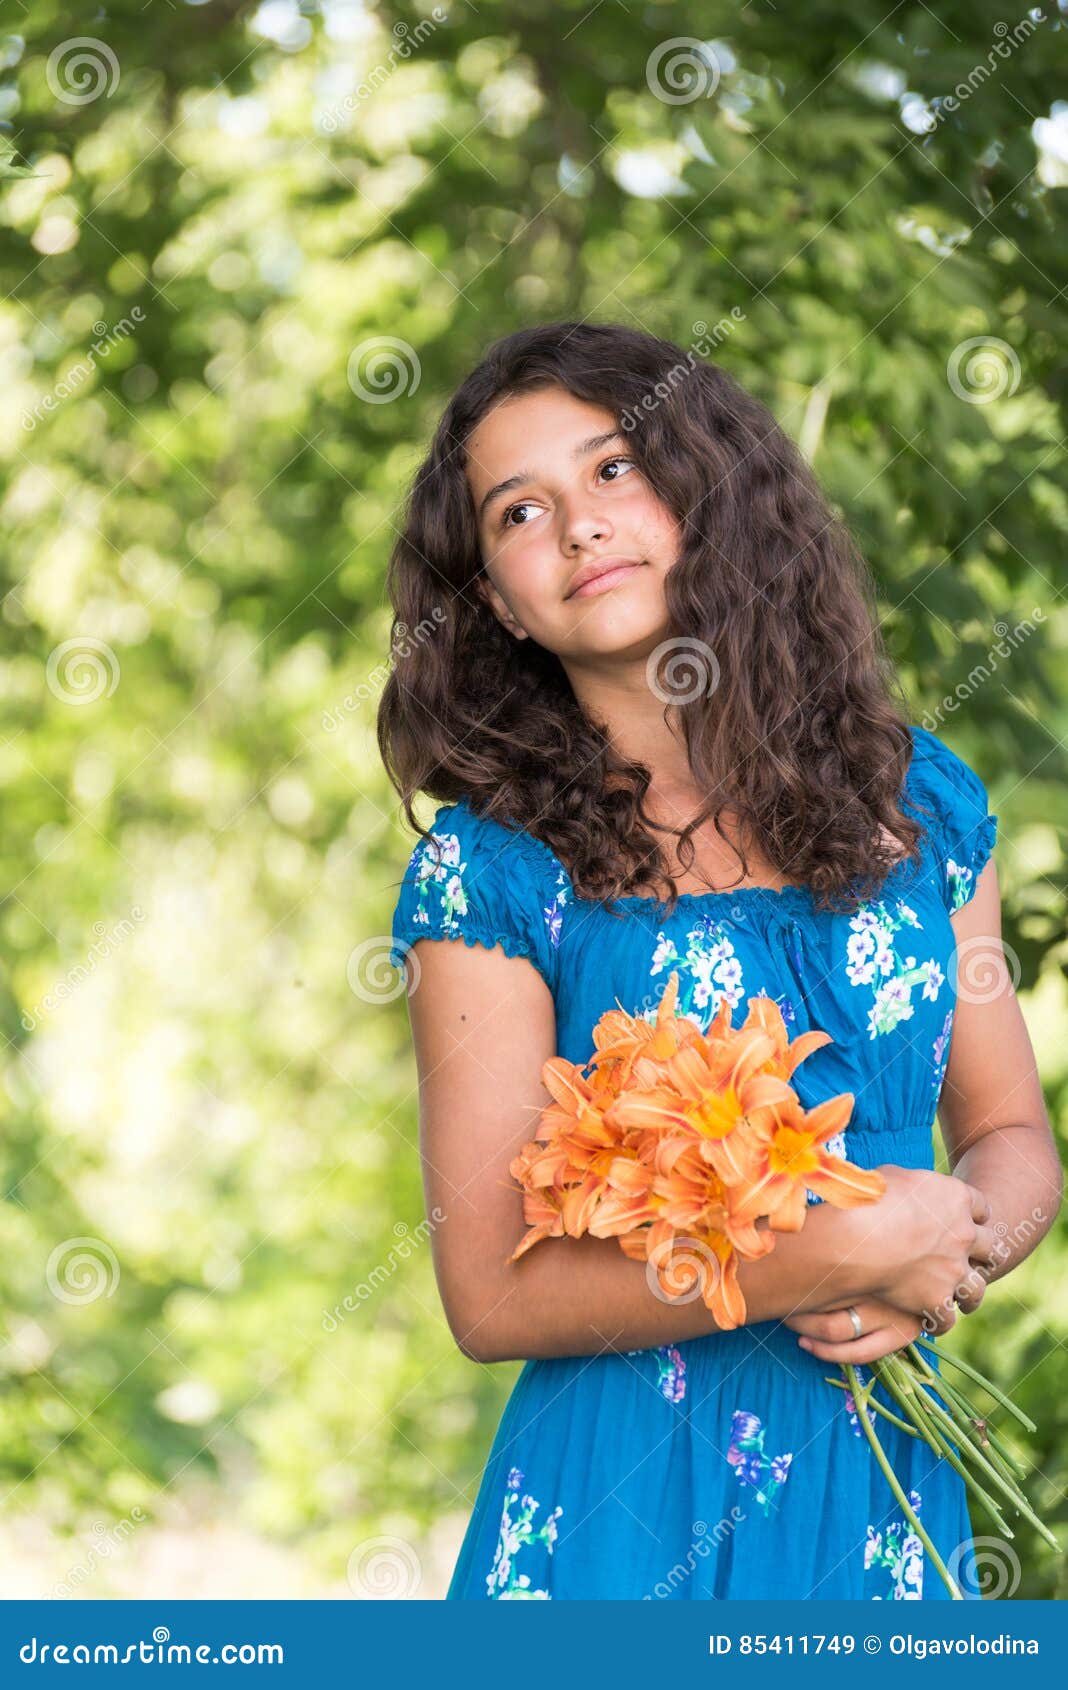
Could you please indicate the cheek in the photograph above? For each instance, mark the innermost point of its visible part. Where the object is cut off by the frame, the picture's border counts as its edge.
(517, 575)
(658, 525)
(523, 571)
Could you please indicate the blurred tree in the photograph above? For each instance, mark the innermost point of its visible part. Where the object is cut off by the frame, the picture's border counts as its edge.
(247, 251)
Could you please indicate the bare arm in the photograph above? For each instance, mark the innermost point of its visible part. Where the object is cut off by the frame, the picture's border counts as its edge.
(998, 1139)
(483, 1026)
(993, 1115)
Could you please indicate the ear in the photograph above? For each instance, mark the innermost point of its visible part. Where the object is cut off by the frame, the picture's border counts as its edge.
(490, 596)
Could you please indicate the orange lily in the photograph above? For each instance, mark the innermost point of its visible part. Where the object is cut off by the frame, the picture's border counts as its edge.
(621, 1038)
(793, 1158)
(692, 1198)
(721, 1292)
(707, 1256)
(576, 1162)
(541, 1211)
(679, 1142)
(707, 1091)
(765, 1016)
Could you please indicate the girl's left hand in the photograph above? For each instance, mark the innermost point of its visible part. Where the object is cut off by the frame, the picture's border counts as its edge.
(829, 1335)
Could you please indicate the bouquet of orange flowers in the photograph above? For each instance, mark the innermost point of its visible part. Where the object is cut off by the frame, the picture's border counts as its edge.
(677, 1143)
(686, 1135)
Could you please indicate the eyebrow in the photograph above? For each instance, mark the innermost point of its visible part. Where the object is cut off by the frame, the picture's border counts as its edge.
(525, 475)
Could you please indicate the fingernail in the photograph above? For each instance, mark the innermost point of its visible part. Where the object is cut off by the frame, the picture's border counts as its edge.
(805, 1343)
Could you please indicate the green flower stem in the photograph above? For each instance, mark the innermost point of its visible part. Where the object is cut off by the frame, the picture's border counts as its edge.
(948, 1453)
(980, 1379)
(964, 1415)
(860, 1396)
(879, 1409)
(899, 1383)
(967, 1418)
(1007, 1485)
(1014, 1494)
(920, 1407)
(1015, 1467)
(1001, 1456)
(963, 1433)
(959, 1425)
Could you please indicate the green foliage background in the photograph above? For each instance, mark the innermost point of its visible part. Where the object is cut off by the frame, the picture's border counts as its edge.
(193, 847)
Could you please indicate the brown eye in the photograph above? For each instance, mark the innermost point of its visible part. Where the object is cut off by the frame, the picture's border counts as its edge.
(523, 504)
(504, 519)
(610, 461)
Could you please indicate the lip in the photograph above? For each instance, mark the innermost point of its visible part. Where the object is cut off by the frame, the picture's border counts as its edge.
(600, 577)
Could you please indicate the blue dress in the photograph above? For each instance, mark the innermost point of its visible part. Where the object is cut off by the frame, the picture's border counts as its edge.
(722, 1467)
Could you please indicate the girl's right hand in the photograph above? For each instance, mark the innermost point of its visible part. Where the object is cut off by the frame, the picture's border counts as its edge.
(926, 1239)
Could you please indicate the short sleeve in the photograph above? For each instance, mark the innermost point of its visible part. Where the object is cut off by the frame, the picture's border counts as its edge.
(962, 829)
(476, 880)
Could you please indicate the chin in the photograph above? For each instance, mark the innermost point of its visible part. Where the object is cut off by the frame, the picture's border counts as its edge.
(624, 634)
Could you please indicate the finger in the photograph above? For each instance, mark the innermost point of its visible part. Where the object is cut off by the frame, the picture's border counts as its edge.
(980, 1205)
(986, 1246)
(970, 1295)
(871, 1347)
(831, 1326)
(936, 1321)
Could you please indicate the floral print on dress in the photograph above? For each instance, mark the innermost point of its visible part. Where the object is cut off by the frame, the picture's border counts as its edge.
(851, 1407)
(765, 1474)
(672, 1379)
(899, 1554)
(960, 884)
(504, 1583)
(554, 912)
(709, 970)
(783, 1001)
(875, 958)
(940, 1054)
(671, 1370)
(439, 880)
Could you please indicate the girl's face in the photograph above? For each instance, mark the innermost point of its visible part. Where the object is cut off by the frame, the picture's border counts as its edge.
(556, 492)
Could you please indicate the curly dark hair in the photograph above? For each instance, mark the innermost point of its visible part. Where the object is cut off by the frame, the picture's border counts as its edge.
(798, 735)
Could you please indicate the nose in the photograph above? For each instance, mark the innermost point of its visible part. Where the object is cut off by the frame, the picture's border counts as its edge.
(583, 527)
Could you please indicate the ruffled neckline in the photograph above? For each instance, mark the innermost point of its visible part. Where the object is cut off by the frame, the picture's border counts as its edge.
(790, 900)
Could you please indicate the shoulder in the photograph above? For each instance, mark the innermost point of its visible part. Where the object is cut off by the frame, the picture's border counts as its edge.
(477, 851)
(475, 879)
(955, 810)
(942, 769)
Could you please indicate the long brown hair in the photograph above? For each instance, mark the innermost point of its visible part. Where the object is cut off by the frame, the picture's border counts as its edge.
(769, 600)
